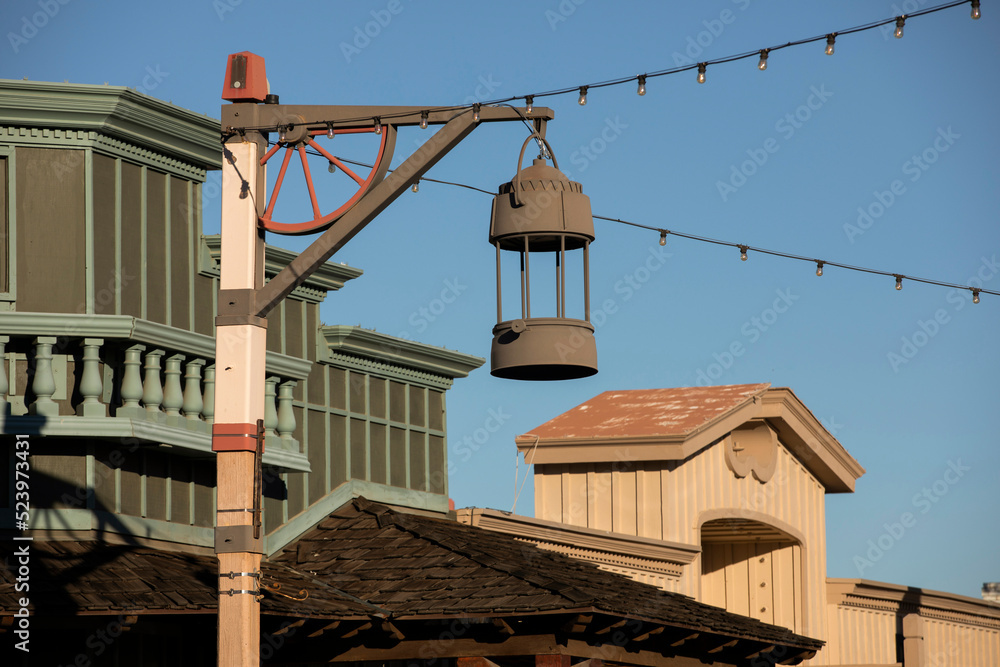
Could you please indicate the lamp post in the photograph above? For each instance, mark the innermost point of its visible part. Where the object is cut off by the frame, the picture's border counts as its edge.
(245, 300)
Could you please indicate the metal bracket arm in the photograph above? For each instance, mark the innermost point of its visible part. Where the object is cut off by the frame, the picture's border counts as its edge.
(248, 117)
(367, 208)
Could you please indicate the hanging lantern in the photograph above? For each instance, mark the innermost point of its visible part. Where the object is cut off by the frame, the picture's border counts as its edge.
(544, 217)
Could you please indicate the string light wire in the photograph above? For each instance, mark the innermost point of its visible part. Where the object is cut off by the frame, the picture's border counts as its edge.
(581, 90)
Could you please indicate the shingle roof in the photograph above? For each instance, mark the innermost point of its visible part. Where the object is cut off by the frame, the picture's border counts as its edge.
(73, 577)
(417, 566)
(648, 412)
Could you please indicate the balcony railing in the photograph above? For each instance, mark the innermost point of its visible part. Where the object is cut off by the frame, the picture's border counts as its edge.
(112, 376)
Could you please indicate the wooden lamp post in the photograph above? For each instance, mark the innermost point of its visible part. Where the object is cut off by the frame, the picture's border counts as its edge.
(245, 301)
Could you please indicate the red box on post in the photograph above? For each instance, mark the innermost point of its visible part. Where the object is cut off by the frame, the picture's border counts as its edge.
(246, 80)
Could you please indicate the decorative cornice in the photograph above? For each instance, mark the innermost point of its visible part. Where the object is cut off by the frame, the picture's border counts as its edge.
(862, 593)
(117, 112)
(329, 277)
(82, 139)
(616, 545)
(124, 327)
(400, 351)
(378, 368)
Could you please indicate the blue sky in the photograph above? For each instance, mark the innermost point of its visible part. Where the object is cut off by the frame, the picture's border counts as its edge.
(840, 136)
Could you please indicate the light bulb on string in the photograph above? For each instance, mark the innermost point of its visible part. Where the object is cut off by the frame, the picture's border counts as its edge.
(331, 167)
(900, 22)
(975, 292)
(475, 113)
(329, 131)
(663, 237)
(819, 268)
(899, 283)
(529, 103)
(743, 253)
(975, 15)
(583, 96)
(281, 134)
(701, 72)
(415, 187)
(830, 39)
(642, 85)
(423, 120)
(378, 125)
(762, 65)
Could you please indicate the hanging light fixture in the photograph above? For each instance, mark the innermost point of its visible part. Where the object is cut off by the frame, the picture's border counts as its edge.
(830, 39)
(900, 22)
(701, 72)
(762, 65)
(541, 214)
(642, 85)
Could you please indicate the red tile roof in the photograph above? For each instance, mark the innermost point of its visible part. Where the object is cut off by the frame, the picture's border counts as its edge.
(648, 412)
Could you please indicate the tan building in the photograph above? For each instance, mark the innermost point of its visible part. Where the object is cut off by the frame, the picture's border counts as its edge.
(719, 493)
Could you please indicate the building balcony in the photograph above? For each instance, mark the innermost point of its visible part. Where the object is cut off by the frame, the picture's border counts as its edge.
(120, 377)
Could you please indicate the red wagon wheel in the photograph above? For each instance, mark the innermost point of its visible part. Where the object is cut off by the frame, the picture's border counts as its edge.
(319, 222)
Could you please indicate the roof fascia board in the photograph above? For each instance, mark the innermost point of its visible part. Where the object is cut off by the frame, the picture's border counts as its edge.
(809, 440)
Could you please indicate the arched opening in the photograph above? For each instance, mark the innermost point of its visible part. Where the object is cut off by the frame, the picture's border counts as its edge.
(754, 569)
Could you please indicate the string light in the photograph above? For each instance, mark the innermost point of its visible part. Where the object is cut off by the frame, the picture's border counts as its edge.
(899, 282)
(743, 253)
(663, 237)
(475, 113)
(975, 292)
(378, 125)
(329, 131)
(423, 120)
(281, 134)
(642, 85)
(762, 65)
(829, 37)
(416, 186)
(819, 268)
(331, 168)
(583, 96)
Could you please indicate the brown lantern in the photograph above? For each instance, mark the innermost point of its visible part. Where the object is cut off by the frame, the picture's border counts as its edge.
(542, 215)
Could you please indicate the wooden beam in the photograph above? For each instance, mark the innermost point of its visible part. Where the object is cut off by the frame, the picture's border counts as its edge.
(287, 628)
(685, 638)
(646, 635)
(326, 628)
(357, 630)
(502, 626)
(592, 662)
(608, 628)
(579, 623)
(721, 647)
(392, 631)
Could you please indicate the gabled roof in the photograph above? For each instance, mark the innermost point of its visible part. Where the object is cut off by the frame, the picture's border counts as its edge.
(419, 567)
(672, 424)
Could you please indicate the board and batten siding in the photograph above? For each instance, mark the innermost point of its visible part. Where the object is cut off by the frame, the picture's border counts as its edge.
(671, 500)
